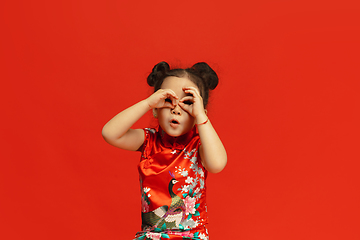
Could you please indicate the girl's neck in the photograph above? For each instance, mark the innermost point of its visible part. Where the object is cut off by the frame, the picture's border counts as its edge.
(177, 142)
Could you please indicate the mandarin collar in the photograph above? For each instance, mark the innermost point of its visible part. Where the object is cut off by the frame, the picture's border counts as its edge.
(176, 142)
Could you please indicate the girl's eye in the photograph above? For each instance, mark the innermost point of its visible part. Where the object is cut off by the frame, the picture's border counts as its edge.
(188, 102)
(168, 100)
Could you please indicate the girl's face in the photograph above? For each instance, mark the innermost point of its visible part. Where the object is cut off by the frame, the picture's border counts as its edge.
(176, 121)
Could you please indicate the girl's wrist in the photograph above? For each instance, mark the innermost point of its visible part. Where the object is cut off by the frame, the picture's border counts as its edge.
(148, 104)
(200, 120)
(203, 122)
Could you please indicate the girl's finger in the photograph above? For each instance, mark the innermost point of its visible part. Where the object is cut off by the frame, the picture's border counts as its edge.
(187, 98)
(186, 107)
(191, 90)
(173, 100)
(167, 104)
(173, 96)
(172, 93)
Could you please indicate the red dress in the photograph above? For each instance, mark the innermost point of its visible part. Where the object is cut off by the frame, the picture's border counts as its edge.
(173, 190)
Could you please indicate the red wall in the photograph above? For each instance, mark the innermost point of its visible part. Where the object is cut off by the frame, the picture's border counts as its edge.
(287, 110)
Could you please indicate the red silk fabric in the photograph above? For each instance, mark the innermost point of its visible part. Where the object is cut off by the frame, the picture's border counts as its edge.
(173, 190)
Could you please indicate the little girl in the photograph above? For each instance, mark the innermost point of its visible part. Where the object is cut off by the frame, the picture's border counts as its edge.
(175, 158)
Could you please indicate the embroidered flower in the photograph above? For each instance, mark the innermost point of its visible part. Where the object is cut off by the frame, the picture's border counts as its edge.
(180, 171)
(189, 179)
(184, 173)
(146, 190)
(203, 236)
(185, 188)
(187, 234)
(188, 154)
(190, 205)
(201, 172)
(189, 223)
(202, 183)
(144, 206)
(152, 235)
(150, 130)
(182, 234)
(193, 159)
(193, 184)
(194, 167)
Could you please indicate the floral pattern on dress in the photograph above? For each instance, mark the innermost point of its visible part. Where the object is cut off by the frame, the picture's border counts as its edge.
(189, 174)
(145, 195)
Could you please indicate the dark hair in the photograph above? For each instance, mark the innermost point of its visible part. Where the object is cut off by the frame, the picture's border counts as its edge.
(200, 73)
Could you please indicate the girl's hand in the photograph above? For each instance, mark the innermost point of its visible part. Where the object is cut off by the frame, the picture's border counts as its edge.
(162, 98)
(193, 104)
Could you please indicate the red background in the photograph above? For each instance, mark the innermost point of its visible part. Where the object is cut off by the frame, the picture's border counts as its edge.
(286, 109)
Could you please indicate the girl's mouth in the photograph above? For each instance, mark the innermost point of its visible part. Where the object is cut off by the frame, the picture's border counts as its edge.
(174, 123)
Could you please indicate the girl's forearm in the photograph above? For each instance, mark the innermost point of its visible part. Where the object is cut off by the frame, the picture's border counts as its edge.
(119, 125)
(212, 151)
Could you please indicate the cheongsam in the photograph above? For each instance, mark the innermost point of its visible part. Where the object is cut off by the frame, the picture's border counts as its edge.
(173, 190)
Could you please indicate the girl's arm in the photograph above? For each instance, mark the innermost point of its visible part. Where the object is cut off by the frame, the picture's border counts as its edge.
(118, 132)
(212, 151)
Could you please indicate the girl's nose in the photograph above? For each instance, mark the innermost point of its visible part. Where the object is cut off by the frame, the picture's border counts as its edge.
(176, 110)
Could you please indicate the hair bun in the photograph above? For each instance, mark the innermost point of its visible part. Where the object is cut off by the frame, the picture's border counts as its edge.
(208, 75)
(158, 73)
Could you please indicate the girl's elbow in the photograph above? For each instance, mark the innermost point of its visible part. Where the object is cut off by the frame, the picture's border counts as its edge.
(106, 134)
(219, 166)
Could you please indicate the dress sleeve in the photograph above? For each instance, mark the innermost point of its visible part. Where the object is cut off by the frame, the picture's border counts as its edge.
(148, 141)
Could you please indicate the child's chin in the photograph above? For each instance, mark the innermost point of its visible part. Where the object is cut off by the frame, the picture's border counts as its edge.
(174, 133)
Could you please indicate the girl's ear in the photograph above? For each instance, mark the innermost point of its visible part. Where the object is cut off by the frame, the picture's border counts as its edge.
(155, 112)
(205, 111)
